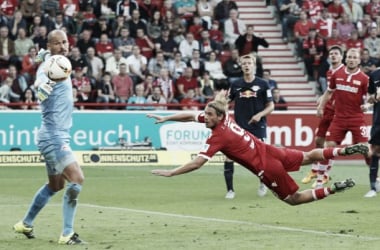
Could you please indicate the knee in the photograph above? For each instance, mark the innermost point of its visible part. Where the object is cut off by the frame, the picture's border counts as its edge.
(72, 191)
(293, 199)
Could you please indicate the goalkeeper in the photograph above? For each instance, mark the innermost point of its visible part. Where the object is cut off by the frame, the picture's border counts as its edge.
(56, 102)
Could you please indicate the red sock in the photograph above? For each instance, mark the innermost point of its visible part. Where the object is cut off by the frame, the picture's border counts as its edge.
(330, 153)
(321, 193)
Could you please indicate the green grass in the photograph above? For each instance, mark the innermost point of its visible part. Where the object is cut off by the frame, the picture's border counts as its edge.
(128, 208)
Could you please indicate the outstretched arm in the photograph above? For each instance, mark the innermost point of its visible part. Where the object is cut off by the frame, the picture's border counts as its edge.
(197, 163)
(179, 117)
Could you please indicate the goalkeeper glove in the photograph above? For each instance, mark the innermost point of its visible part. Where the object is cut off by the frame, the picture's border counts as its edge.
(41, 55)
(44, 90)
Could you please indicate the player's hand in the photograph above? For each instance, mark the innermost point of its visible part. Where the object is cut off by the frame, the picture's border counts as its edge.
(255, 119)
(162, 172)
(159, 119)
(44, 90)
(41, 55)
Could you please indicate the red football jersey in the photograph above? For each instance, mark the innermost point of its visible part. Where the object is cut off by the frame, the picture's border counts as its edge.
(329, 107)
(236, 143)
(350, 89)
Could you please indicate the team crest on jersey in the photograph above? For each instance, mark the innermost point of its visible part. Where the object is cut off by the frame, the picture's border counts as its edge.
(247, 94)
(356, 82)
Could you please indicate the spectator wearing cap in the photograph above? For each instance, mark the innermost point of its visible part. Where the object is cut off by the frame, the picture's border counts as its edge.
(166, 43)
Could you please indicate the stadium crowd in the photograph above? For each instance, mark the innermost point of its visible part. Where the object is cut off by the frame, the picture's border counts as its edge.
(189, 48)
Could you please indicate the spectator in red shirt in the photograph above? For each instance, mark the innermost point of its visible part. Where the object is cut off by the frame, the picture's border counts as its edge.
(335, 40)
(336, 10)
(104, 47)
(324, 25)
(313, 48)
(196, 28)
(301, 32)
(355, 41)
(144, 43)
(185, 82)
(189, 102)
(122, 84)
(83, 84)
(215, 34)
(29, 66)
(313, 8)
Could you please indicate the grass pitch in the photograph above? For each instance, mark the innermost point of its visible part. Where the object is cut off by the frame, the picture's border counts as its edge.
(128, 208)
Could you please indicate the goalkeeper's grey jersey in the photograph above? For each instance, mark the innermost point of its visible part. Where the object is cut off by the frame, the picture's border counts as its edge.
(56, 109)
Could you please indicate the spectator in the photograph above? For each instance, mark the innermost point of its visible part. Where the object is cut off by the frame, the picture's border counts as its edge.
(279, 101)
(138, 98)
(185, 10)
(196, 27)
(156, 64)
(205, 11)
(222, 11)
(301, 32)
(355, 41)
(214, 67)
(50, 6)
(6, 94)
(101, 27)
(290, 13)
(345, 27)
(105, 92)
(267, 76)
(215, 34)
(148, 84)
(187, 46)
(29, 65)
(136, 23)
(313, 8)
(104, 47)
(313, 49)
(166, 85)
(104, 8)
(145, 44)
(324, 25)
(78, 61)
(33, 28)
(190, 101)
(233, 28)
(372, 43)
(95, 64)
(365, 25)
(207, 87)
(137, 65)
(335, 40)
(177, 66)
(154, 25)
(117, 26)
(113, 63)
(157, 98)
(186, 82)
(196, 63)
(125, 8)
(77, 99)
(19, 83)
(367, 63)
(166, 44)
(124, 42)
(147, 9)
(22, 44)
(16, 23)
(83, 85)
(29, 9)
(249, 44)
(178, 29)
(7, 56)
(207, 45)
(40, 40)
(85, 41)
(29, 100)
(122, 85)
(232, 68)
(335, 9)
(70, 8)
(353, 10)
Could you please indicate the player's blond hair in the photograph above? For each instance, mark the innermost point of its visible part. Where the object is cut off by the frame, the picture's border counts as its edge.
(248, 56)
(220, 103)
